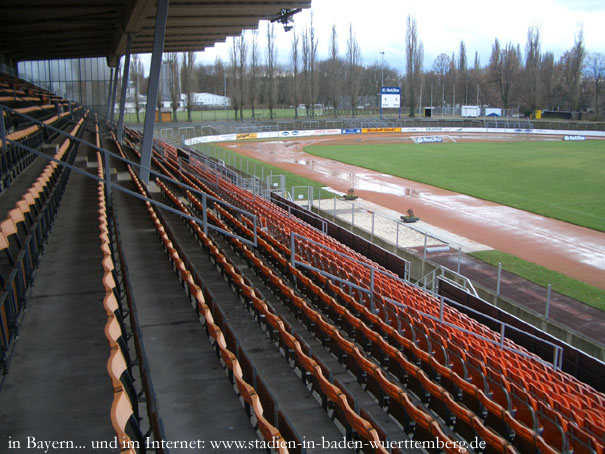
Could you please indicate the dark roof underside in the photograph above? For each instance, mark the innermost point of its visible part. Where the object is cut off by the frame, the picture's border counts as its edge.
(49, 29)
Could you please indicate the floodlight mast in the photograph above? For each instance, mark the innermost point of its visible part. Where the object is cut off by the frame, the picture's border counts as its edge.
(381, 79)
(382, 68)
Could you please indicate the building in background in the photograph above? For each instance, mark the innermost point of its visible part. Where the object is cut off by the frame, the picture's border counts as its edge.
(210, 101)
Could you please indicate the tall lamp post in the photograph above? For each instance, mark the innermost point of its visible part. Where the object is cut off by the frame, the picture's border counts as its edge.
(382, 69)
(381, 79)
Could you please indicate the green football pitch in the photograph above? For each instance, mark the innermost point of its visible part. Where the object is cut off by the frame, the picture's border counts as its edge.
(561, 180)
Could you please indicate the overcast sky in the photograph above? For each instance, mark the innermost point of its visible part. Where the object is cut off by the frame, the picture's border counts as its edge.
(379, 26)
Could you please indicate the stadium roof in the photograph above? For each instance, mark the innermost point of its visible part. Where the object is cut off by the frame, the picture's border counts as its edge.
(49, 29)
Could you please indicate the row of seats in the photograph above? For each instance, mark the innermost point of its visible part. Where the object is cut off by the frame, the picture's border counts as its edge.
(19, 126)
(15, 91)
(574, 385)
(220, 341)
(124, 409)
(23, 234)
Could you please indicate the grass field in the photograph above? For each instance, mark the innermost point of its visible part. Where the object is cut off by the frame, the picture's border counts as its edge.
(561, 180)
(562, 284)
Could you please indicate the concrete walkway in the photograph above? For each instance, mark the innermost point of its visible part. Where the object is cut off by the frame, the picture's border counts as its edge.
(58, 388)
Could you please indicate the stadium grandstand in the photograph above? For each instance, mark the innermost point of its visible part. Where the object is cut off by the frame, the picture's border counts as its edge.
(150, 302)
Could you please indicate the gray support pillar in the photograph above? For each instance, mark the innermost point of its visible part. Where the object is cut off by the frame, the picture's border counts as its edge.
(108, 93)
(152, 93)
(3, 144)
(124, 88)
(113, 92)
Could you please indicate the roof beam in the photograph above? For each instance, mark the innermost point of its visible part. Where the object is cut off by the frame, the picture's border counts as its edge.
(135, 14)
(265, 10)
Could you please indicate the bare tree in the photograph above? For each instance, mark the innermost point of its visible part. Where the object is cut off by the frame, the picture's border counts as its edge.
(271, 58)
(532, 68)
(306, 71)
(136, 71)
(476, 76)
(504, 68)
(414, 52)
(172, 58)
(254, 69)
(353, 70)
(440, 67)
(595, 69)
(295, 88)
(572, 63)
(187, 75)
(333, 69)
(453, 77)
(243, 56)
(309, 62)
(547, 76)
(233, 75)
(218, 79)
(463, 71)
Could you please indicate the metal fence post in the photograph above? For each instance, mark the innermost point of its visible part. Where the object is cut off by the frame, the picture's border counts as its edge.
(372, 290)
(441, 309)
(424, 257)
(334, 212)
(499, 277)
(205, 214)
(4, 145)
(547, 313)
(107, 178)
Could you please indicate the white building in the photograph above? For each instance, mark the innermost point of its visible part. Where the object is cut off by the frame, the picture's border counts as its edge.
(210, 100)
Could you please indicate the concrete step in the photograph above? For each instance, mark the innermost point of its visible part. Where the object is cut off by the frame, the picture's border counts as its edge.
(195, 397)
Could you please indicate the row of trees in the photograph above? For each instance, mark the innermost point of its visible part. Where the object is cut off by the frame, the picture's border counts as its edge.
(527, 79)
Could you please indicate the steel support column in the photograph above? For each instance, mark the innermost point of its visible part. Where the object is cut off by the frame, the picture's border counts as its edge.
(120, 133)
(152, 93)
(113, 92)
(108, 93)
